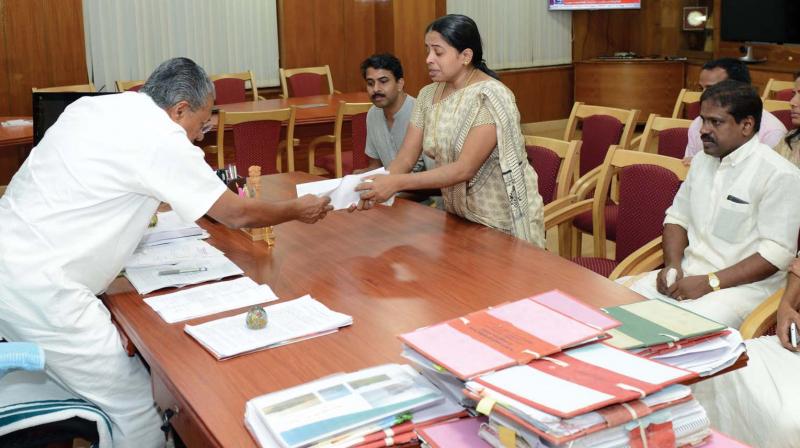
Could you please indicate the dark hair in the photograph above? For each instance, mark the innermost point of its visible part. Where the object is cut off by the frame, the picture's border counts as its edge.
(739, 98)
(461, 32)
(793, 133)
(383, 61)
(736, 69)
(176, 80)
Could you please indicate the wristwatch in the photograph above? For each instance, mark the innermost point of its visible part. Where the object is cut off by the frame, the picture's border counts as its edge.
(713, 281)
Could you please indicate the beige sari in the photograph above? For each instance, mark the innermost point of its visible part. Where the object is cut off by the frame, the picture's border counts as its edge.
(790, 152)
(504, 193)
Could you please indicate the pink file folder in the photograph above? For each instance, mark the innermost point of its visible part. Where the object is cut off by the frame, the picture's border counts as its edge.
(460, 433)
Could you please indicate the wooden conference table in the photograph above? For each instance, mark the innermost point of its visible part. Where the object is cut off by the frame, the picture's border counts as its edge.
(393, 269)
(15, 135)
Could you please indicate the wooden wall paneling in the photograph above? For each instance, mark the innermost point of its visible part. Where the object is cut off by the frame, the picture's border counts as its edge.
(541, 93)
(330, 45)
(360, 35)
(5, 85)
(296, 26)
(384, 27)
(410, 19)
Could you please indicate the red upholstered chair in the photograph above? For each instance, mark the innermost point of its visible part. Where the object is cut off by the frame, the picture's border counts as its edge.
(133, 86)
(556, 165)
(232, 87)
(687, 105)
(664, 136)
(306, 81)
(341, 161)
(602, 127)
(782, 111)
(256, 137)
(647, 186)
(778, 90)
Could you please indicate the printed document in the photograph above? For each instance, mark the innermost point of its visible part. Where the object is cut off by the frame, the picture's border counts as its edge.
(166, 254)
(149, 279)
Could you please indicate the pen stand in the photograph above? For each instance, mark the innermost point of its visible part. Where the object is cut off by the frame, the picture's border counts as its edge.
(266, 234)
(253, 189)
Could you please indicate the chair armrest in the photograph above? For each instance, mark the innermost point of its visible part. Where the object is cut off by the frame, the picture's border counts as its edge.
(646, 258)
(559, 203)
(762, 318)
(586, 183)
(567, 213)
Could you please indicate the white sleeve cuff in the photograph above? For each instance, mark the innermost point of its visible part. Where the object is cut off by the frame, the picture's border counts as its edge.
(776, 254)
(677, 220)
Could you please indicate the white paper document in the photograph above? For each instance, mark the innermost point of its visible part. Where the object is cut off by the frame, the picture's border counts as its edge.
(210, 299)
(149, 279)
(287, 322)
(342, 191)
(170, 227)
(166, 254)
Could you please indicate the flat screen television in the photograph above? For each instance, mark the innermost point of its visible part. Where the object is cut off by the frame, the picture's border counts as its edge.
(771, 21)
(47, 107)
(571, 5)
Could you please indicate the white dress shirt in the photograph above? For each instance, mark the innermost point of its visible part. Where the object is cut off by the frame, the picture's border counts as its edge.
(746, 203)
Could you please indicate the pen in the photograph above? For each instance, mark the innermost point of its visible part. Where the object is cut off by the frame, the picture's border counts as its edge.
(793, 334)
(183, 270)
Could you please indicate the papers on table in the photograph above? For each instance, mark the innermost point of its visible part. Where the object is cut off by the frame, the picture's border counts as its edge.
(287, 322)
(209, 299)
(166, 254)
(459, 433)
(149, 279)
(170, 228)
(341, 191)
(708, 356)
(16, 122)
(337, 405)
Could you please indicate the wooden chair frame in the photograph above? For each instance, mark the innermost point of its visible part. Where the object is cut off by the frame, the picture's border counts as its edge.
(685, 97)
(615, 160)
(762, 317)
(244, 76)
(654, 125)
(625, 116)
(775, 105)
(288, 115)
(123, 86)
(345, 109)
(568, 152)
(775, 85)
(324, 70)
(88, 88)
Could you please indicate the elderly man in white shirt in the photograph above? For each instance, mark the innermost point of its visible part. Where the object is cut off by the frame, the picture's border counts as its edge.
(732, 229)
(76, 210)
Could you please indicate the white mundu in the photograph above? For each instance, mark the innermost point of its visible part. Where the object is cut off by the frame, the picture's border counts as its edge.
(746, 203)
(69, 219)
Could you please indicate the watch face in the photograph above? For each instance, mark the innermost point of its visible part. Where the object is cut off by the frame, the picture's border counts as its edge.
(713, 281)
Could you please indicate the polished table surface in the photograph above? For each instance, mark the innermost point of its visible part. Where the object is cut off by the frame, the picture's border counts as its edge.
(310, 109)
(15, 135)
(394, 269)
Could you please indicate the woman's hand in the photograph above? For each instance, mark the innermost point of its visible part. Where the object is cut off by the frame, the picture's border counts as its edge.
(376, 189)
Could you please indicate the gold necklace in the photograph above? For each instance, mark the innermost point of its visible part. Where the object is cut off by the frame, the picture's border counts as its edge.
(437, 109)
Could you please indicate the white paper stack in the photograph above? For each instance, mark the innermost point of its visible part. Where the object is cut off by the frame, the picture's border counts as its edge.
(707, 357)
(324, 411)
(288, 322)
(149, 279)
(342, 191)
(210, 299)
(167, 254)
(171, 228)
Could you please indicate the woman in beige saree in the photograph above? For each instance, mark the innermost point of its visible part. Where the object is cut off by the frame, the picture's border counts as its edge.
(468, 122)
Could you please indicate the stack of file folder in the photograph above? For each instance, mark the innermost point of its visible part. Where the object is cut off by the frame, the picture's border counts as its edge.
(662, 331)
(345, 410)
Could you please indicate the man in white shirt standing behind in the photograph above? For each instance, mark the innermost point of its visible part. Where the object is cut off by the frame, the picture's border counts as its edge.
(732, 229)
(387, 119)
(770, 131)
(77, 208)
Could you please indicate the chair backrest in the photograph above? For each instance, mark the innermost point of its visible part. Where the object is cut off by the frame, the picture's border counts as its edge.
(256, 136)
(782, 111)
(134, 86)
(556, 164)
(73, 88)
(231, 87)
(672, 135)
(687, 105)
(778, 90)
(647, 186)
(306, 81)
(357, 112)
(602, 127)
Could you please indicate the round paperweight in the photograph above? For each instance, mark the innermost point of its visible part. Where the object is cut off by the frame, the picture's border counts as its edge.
(256, 318)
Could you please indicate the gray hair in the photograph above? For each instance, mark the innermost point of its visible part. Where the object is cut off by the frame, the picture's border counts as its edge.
(176, 80)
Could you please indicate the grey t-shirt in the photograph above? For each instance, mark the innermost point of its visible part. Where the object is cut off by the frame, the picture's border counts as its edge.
(384, 143)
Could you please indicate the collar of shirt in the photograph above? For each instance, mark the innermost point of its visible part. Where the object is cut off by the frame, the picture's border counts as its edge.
(741, 153)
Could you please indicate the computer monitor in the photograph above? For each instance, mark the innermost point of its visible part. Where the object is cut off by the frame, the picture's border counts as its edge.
(47, 107)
